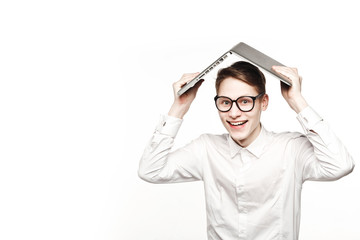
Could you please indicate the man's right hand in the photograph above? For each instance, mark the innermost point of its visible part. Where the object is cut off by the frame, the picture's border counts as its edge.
(183, 102)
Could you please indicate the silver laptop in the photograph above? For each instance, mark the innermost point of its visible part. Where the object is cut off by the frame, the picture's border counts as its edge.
(244, 51)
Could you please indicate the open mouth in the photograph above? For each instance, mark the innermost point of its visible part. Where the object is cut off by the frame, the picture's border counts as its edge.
(239, 123)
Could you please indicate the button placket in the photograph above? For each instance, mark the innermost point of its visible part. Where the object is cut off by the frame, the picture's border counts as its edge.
(242, 211)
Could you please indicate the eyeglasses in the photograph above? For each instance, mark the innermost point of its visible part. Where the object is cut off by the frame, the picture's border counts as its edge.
(244, 103)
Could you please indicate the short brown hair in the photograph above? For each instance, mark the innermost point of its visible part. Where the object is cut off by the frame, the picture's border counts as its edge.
(244, 71)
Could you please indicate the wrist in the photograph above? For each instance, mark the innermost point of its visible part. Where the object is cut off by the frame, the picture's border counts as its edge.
(178, 110)
(298, 104)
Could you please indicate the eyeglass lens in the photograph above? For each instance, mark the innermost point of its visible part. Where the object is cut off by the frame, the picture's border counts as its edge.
(244, 103)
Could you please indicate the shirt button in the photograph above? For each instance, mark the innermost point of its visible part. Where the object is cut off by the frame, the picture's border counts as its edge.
(242, 209)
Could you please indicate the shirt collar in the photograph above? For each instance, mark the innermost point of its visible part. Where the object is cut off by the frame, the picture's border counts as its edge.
(257, 147)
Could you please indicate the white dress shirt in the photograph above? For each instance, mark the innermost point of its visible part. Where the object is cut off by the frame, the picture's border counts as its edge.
(254, 192)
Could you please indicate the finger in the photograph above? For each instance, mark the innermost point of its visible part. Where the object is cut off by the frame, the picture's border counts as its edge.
(189, 77)
(290, 74)
(278, 68)
(281, 70)
(284, 69)
(195, 88)
(186, 78)
(198, 84)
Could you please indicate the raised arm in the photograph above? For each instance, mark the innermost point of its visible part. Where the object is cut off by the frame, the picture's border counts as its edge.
(159, 164)
(321, 156)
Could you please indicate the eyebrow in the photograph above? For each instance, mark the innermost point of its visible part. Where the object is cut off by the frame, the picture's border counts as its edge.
(250, 95)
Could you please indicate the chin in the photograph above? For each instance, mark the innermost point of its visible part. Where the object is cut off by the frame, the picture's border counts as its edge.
(239, 134)
(239, 137)
(244, 135)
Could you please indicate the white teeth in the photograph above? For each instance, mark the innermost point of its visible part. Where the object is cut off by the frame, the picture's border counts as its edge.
(237, 123)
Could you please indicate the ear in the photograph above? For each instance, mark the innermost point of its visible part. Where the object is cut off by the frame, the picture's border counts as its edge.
(264, 102)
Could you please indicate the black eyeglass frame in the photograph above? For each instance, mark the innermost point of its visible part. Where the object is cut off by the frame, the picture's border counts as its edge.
(235, 101)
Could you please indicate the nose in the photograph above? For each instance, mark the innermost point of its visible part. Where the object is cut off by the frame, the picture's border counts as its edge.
(234, 111)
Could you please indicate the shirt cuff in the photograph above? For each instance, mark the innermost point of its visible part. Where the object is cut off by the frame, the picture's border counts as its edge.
(308, 118)
(168, 126)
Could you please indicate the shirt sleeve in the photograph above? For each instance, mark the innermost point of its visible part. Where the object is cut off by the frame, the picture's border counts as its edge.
(159, 164)
(321, 156)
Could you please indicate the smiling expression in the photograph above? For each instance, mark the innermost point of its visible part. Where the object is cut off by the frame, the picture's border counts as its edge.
(243, 127)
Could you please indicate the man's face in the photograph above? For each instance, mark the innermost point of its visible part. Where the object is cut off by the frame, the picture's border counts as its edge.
(243, 127)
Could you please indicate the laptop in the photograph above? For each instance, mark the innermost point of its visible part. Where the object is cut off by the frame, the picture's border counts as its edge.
(241, 50)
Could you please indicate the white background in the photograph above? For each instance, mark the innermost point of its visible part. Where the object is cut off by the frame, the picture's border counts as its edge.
(83, 84)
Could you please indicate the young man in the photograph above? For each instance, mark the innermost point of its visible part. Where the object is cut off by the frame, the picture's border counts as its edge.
(252, 177)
